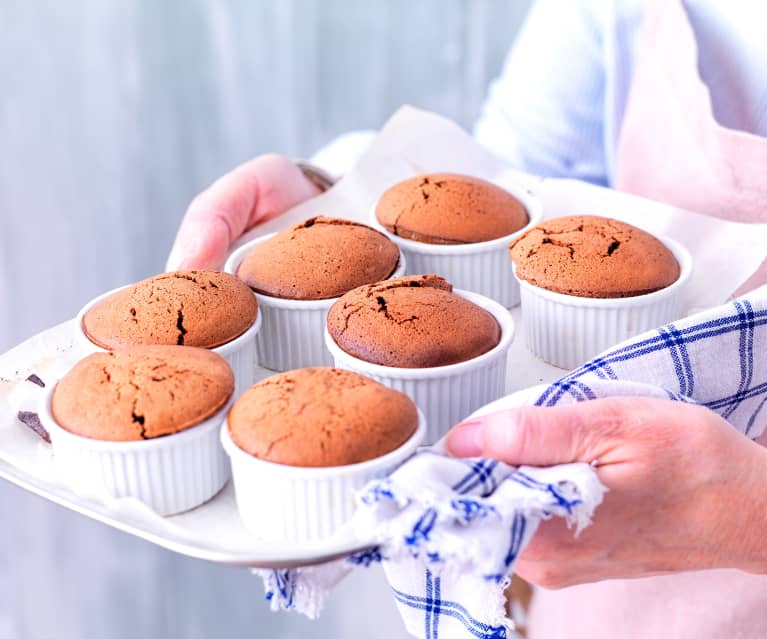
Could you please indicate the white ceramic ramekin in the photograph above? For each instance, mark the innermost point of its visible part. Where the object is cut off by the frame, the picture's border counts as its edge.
(239, 352)
(170, 474)
(445, 394)
(280, 503)
(481, 267)
(292, 333)
(567, 331)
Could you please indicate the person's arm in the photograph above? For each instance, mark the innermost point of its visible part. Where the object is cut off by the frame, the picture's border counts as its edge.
(686, 491)
(545, 114)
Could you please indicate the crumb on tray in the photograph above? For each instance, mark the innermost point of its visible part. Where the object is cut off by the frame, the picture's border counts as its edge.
(32, 420)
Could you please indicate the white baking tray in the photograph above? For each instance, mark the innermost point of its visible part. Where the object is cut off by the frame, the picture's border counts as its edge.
(212, 531)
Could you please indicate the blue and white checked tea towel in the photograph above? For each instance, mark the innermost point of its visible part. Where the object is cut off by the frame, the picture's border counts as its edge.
(450, 530)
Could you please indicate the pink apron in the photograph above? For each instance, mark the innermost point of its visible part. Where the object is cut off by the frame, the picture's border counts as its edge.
(671, 149)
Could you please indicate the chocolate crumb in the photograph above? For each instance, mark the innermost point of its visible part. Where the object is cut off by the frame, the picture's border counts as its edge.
(32, 420)
(36, 380)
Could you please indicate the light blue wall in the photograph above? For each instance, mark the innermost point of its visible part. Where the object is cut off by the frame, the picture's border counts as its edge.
(113, 114)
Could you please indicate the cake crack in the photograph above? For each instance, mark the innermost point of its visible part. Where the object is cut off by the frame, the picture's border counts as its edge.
(568, 245)
(138, 418)
(348, 316)
(550, 237)
(277, 440)
(383, 308)
(185, 276)
(180, 326)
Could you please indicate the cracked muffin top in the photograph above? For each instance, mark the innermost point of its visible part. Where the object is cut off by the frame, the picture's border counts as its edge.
(141, 392)
(446, 208)
(590, 256)
(319, 258)
(321, 417)
(186, 308)
(411, 322)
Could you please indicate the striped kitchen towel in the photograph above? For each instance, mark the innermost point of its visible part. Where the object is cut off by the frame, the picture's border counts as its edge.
(449, 530)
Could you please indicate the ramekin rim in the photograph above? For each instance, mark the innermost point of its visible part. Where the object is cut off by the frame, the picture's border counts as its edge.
(533, 206)
(224, 349)
(236, 257)
(681, 254)
(398, 455)
(144, 445)
(500, 313)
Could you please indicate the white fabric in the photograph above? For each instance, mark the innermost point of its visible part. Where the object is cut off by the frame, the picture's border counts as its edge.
(464, 521)
(468, 540)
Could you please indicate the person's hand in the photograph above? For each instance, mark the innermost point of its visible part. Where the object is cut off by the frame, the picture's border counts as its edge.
(250, 194)
(686, 490)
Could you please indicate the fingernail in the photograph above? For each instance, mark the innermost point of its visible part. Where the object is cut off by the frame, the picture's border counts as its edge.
(467, 439)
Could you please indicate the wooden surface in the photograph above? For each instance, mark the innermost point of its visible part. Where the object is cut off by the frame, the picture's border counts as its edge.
(112, 116)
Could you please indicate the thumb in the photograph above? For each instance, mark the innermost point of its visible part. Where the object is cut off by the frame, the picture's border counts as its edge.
(536, 436)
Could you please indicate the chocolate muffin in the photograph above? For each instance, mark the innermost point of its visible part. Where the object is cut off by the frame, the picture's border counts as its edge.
(321, 417)
(411, 322)
(187, 308)
(319, 258)
(590, 256)
(141, 392)
(445, 208)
